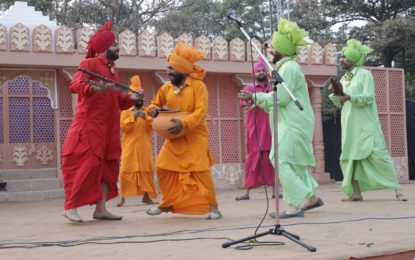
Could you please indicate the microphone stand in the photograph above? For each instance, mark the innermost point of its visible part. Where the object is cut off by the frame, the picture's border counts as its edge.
(277, 79)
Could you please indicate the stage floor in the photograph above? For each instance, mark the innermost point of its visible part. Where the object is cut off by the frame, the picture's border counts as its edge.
(379, 225)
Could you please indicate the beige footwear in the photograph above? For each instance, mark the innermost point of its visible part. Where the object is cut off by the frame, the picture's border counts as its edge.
(400, 196)
(353, 198)
(154, 211)
(214, 215)
(72, 215)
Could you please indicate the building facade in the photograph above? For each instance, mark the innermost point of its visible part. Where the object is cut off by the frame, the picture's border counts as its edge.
(38, 59)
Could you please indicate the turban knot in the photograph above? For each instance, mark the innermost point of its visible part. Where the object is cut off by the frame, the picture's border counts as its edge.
(183, 59)
(355, 51)
(101, 40)
(288, 37)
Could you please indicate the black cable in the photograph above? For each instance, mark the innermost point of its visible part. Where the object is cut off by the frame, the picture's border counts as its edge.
(246, 246)
(101, 242)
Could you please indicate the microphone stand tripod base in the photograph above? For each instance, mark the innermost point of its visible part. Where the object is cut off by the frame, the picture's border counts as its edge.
(276, 230)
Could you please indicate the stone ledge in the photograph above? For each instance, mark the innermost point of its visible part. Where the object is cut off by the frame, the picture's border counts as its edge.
(32, 195)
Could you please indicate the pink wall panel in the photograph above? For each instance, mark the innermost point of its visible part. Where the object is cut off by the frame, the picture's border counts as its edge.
(381, 89)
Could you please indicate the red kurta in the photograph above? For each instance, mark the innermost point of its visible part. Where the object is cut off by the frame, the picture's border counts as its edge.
(92, 149)
(258, 168)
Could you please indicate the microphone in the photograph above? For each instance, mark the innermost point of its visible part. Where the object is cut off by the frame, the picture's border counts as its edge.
(233, 17)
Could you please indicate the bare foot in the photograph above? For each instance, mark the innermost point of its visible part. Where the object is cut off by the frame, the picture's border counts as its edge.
(121, 203)
(147, 200)
(106, 216)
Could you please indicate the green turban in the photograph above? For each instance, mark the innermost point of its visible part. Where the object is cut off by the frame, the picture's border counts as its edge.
(288, 37)
(355, 51)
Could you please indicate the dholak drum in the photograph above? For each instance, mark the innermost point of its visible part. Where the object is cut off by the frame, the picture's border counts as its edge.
(163, 122)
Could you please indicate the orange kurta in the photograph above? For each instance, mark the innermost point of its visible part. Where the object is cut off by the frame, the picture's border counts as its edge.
(137, 162)
(183, 163)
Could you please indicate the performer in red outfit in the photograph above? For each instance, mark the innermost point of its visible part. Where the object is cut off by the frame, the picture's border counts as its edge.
(91, 152)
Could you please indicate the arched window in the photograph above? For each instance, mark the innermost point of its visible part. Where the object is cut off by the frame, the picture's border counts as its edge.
(31, 117)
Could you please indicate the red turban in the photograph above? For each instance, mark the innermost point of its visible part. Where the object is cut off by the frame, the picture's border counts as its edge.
(101, 40)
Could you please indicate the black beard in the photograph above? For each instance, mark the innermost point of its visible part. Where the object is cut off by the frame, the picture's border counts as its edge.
(112, 55)
(276, 57)
(345, 66)
(261, 78)
(176, 78)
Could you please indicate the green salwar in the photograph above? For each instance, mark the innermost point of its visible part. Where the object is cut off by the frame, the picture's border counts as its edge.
(364, 156)
(376, 172)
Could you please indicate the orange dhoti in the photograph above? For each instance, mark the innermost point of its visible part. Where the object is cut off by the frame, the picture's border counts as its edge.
(137, 183)
(187, 192)
(137, 162)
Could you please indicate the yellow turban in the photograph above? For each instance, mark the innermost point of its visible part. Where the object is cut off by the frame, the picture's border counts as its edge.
(135, 82)
(183, 59)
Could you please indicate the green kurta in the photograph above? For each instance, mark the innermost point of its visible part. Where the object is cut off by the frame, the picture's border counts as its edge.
(295, 133)
(364, 155)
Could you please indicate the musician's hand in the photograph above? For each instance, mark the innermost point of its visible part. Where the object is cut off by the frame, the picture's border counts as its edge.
(139, 113)
(108, 86)
(331, 88)
(137, 96)
(99, 87)
(245, 95)
(344, 98)
(252, 107)
(154, 113)
(177, 127)
(335, 86)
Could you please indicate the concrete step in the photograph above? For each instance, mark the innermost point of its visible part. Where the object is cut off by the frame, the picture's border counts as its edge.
(33, 185)
(32, 195)
(23, 174)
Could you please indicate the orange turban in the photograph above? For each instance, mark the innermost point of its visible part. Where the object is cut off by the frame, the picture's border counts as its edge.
(135, 82)
(182, 60)
(101, 40)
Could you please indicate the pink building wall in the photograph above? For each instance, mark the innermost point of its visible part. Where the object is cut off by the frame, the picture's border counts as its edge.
(228, 66)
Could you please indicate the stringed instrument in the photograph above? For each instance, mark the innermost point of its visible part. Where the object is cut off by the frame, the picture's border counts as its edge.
(117, 86)
(335, 86)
